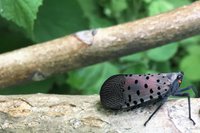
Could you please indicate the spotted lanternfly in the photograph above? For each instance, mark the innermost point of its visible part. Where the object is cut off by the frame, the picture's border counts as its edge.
(126, 91)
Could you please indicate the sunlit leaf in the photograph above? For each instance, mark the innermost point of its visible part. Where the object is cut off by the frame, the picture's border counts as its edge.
(21, 12)
(194, 50)
(190, 65)
(163, 53)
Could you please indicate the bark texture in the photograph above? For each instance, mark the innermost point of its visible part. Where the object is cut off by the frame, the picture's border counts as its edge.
(89, 47)
(81, 114)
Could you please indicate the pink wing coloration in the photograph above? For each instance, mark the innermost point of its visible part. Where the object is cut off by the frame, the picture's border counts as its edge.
(123, 91)
(142, 88)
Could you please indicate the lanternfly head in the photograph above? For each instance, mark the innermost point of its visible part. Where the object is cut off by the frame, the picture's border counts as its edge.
(176, 77)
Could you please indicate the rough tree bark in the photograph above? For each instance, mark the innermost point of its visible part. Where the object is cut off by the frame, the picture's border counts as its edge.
(88, 47)
(81, 114)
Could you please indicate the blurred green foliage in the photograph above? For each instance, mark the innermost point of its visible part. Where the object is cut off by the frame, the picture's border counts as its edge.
(25, 22)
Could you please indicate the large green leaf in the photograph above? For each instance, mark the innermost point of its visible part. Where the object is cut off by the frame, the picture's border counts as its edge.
(194, 50)
(21, 12)
(91, 78)
(59, 18)
(163, 53)
(190, 65)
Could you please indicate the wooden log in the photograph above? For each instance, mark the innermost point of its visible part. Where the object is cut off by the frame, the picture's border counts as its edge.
(81, 114)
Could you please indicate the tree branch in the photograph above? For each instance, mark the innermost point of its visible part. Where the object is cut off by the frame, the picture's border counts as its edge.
(89, 47)
(61, 113)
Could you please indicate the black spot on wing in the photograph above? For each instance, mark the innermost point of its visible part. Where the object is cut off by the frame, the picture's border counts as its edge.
(141, 100)
(151, 97)
(151, 90)
(145, 86)
(138, 92)
(128, 104)
(129, 87)
(135, 102)
(129, 98)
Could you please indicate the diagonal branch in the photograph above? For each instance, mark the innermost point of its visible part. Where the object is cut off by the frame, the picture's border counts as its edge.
(89, 47)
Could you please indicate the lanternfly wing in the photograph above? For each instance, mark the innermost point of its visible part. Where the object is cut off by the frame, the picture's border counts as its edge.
(142, 88)
(122, 91)
(111, 94)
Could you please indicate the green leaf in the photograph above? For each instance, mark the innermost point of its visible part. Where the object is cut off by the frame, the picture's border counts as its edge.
(192, 40)
(179, 3)
(162, 66)
(159, 6)
(138, 68)
(133, 57)
(190, 65)
(59, 18)
(21, 12)
(163, 53)
(194, 50)
(90, 79)
(13, 38)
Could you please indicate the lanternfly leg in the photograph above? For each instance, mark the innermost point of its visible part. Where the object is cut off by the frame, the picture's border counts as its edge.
(161, 103)
(188, 96)
(184, 89)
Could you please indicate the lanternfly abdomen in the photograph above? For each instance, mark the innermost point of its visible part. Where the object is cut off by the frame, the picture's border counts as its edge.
(126, 91)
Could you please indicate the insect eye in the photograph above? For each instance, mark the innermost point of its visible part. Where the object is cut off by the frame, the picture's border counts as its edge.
(179, 77)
